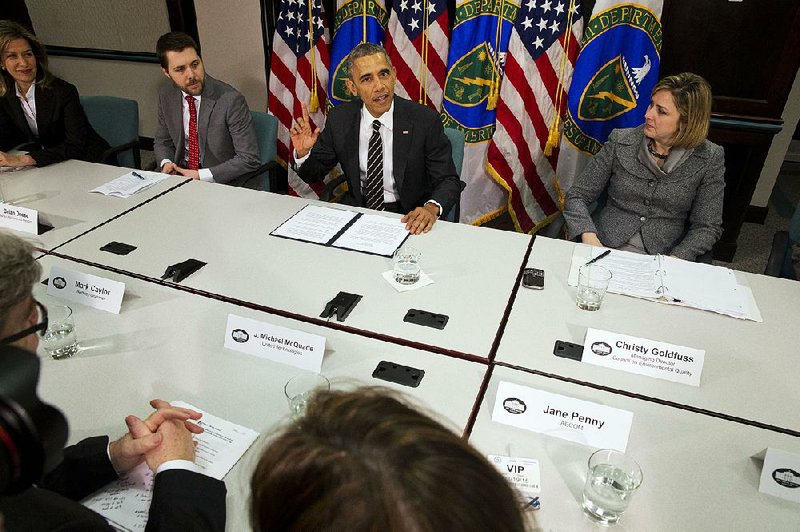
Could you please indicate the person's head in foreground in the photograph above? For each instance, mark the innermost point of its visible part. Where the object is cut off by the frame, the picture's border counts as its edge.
(365, 460)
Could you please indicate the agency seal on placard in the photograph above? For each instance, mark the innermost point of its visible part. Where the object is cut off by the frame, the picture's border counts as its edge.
(59, 282)
(601, 349)
(514, 405)
(788, 478)
(240, 335)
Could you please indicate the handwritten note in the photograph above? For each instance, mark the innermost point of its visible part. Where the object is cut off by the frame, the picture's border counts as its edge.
(126, 502)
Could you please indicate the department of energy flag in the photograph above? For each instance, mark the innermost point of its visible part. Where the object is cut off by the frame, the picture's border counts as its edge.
(417, 40)
(615, 72)
(539, 64)
(356, 21)
(299, 73)
(478, 48)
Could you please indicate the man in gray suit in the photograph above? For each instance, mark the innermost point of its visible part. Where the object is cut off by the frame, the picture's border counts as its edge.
(204, 127)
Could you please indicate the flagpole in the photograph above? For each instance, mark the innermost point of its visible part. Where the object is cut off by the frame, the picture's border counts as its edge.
(423, 68)
(554, 134)
(313, 104)
(364, 22)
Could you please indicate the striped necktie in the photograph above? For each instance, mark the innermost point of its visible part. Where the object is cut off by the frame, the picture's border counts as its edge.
(373, 193)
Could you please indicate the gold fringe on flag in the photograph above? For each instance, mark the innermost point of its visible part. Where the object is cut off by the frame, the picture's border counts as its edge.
(494, 86)
(554, 133)
(313, 104)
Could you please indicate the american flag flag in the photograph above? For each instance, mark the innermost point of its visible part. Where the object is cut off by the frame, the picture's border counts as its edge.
(417, 41)
(298, 67)
(540, 48)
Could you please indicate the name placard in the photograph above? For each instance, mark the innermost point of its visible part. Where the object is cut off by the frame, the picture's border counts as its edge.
(661, 360)
(19, 218)
(522, 473)
(86, 289)
(279, 344)
(780, 475)
(563, 417)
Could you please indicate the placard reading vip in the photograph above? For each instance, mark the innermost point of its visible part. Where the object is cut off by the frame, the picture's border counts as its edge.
(563, 417)
(780, 475)
(19, 218)
(522, 473)
(86, 289)
(279, 344)
(661, 360)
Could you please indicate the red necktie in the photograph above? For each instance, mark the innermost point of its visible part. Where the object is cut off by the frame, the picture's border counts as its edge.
(193, 159)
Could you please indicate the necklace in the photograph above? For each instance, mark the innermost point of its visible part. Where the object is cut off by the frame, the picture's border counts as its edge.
(654, 153)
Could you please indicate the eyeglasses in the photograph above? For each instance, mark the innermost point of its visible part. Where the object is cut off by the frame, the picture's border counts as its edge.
(40, 327)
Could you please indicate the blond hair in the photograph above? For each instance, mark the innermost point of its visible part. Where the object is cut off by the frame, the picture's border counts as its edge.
(11, 31)
(692, 96)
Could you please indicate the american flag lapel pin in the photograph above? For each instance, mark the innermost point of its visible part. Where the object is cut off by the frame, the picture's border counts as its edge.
(406, 132)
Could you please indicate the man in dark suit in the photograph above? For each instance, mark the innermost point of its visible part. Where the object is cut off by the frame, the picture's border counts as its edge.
(204, 126)
(183, 498)
(393, 152)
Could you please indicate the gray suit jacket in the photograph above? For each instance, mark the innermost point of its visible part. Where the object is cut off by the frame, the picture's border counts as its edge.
(422, 163)
(228, 145)
(679, 213)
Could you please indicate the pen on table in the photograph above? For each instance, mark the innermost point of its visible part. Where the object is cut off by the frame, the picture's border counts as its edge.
(600, 256)
(140, 176)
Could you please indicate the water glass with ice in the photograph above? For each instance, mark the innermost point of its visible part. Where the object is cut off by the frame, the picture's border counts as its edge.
(611, 480)
(592, 285)
(406, 265)
(60, 340)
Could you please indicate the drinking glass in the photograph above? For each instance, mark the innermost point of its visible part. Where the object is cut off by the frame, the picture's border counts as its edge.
(300, 388)
(60, 339)
(592, 285)
(611, 479)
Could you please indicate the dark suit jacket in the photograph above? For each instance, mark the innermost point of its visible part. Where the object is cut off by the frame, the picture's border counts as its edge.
(182, 500)
(228, 144)
(422, 159)
(64, 131)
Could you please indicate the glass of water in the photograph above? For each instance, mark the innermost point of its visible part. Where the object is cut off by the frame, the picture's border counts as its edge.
(60, 340)
(592, 285)
(300, 388)
(406, 265)
(611, 479)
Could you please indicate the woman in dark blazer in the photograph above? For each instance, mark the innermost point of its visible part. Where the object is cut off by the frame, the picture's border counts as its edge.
(38, 110)
(665, 180)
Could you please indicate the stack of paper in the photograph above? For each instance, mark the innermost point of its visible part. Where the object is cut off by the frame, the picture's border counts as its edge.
(130, 183)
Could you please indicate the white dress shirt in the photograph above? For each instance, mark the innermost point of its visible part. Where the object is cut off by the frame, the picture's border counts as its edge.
(205, 173)
(28, 102)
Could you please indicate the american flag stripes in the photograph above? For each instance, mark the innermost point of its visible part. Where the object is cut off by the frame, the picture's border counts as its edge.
(539, 51)
(417, 41)
(299, 73)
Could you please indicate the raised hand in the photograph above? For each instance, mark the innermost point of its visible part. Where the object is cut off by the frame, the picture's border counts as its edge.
(303, 138)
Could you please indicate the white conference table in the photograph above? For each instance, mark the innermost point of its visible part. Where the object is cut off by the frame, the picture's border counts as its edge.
(698, 471)
(60, 193)
(749, 370)
(169, 344)
(474, 269)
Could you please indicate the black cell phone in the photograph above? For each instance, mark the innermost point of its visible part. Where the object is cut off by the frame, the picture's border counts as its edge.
(533, 278)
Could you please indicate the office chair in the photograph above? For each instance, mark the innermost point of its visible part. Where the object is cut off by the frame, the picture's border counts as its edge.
(456, 138)
(779, 263)
(117, 121)
(266, 127)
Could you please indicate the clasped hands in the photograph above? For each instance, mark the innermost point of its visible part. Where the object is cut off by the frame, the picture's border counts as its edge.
(165, 435)
(172, 169)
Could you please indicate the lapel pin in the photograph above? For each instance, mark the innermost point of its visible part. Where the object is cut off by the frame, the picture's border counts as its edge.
(405, 132)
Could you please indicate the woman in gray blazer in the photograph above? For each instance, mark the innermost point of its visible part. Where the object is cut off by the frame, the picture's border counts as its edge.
(665, 180)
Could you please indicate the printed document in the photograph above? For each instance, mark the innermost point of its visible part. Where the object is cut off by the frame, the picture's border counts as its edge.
(130, 183)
